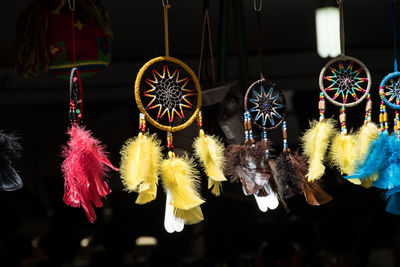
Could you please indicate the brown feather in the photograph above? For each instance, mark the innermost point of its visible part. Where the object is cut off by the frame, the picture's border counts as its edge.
(241, 164)
(312, 192)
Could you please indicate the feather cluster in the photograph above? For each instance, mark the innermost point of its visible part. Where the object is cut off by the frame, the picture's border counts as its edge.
(342, 152)
(181, 179)
(363, 139)
(315, 144)
(10, 149)
(241, 165)
(375, 161)
(210, 152)
(389, 175)
(140, 166)
(290, 174)
(84, 168)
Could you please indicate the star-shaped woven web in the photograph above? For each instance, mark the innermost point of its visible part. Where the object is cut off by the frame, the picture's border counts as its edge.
(345, 82)
(393, 87)
(168, 93)
(265, 106)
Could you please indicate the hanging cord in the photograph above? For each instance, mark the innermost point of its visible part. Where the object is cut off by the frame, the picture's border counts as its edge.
(72, 9)
(75, 98)
(340, 3)
(284, 136)
(166, 6)
(260, 52)
(206, 27)
(342, 119)
(248, 131)
(383, 118)
(142, 123)
(394, 35)
(368, 110)
(321, 107)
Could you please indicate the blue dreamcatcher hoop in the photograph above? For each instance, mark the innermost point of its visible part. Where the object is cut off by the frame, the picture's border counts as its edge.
(389, 89)
(266, 106)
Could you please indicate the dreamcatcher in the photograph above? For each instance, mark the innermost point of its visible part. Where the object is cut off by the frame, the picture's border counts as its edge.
(345, 81)
(86, 164)
(168, 95)
(249, 163)
(382, 163)
(10, 150)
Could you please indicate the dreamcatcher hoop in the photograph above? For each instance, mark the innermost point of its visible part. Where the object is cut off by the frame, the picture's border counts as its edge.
(265, 97)
(139, 102)
(344, 77)
(175, 87)
(393, 90)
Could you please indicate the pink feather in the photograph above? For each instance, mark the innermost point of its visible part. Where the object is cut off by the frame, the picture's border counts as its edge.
(84, 168)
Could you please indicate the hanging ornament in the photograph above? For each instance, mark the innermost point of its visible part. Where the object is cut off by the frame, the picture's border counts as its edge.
(86, 164)
(41, 44)
(382, 164)
(345, 81)
(249, 163)
(10, 150)
(316, 141)
(168, 95)
(208, 149)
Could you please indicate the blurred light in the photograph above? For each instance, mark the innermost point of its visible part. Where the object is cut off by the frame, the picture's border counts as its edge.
(327, 22)
(86, 241)
(146, 241)
(35, 242)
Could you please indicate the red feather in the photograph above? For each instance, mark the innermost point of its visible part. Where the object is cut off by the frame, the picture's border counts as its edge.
(84, 168)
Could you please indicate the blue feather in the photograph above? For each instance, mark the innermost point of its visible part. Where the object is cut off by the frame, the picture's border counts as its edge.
(390, 175)
(375, 161)
(393, 197)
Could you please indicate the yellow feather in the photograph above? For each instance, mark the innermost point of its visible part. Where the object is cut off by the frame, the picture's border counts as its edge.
(315, 144)
(147, 195)
(210, 152)
(140, 166)
(342, 152)
(181, 178)
(364, 137)
(191, 216)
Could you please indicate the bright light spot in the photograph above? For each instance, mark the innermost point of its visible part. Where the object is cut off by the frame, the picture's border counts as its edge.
(146, 241)
(86, 241)
(35, 242)
(327, 21)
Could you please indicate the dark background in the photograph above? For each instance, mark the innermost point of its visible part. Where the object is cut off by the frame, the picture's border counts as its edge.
(37, 229)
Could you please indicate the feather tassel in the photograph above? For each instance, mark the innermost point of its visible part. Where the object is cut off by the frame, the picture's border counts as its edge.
(315, 144)
(375, 160)
(286, 176)
(393, 200)
(389, 176)
(140, 166)
(241, 165)
(10, 149)
(210, 152)
(313, 193)
(180, 177)
(84, 169)
(342, 152)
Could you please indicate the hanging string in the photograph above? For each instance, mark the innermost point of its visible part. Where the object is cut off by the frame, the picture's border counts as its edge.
(166, 6)
(72, 9)
(340, 3)
(260, 52)
(206, 28)
(394, 35)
